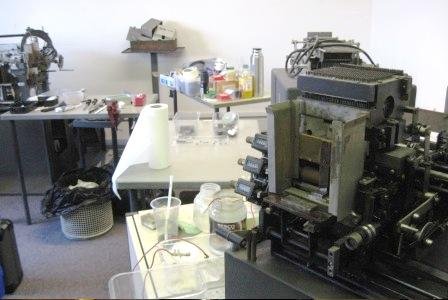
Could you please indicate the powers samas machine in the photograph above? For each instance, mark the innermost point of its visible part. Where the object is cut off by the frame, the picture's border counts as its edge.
(352, 189)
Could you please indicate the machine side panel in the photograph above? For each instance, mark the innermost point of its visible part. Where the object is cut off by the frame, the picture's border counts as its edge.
(279, 146)
(347, 161)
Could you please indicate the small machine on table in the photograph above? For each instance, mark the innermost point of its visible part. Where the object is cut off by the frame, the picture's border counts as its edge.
(351, 194)
(24, 69)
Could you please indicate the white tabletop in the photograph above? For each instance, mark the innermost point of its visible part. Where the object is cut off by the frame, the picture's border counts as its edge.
(193, 164)
(141, 238)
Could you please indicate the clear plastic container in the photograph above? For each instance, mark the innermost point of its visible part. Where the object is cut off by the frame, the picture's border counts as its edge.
(229, 211)
(71, 97)
(192, 276)
(186, 123)
(183, 282)
(225, 123)
(166, 221)
(201, 205)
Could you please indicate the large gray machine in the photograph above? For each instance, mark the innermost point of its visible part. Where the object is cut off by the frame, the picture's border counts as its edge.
(351, 187)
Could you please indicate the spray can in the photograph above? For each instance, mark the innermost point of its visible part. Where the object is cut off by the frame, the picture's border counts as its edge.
(257, 70)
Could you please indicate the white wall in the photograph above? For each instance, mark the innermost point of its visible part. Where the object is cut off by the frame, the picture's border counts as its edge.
(92, 34)
(413, 36)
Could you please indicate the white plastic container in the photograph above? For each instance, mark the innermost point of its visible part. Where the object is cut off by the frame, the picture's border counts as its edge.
(228, 211)
(201, 205)
(191, 81)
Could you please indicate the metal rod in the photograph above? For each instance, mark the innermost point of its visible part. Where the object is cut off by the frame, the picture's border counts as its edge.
(15, 143)
(12, 35)
(427, 161)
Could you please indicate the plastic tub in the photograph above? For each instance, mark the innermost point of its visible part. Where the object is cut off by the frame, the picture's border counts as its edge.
(186, 123)
(180, 282)
(71, 97)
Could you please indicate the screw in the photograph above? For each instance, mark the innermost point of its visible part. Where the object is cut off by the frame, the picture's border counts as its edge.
(416, 216)
(268, 210)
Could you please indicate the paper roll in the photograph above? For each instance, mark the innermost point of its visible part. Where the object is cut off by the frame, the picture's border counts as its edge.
(158, 134)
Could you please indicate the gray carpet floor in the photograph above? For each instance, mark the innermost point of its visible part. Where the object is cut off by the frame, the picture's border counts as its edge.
(55, 267)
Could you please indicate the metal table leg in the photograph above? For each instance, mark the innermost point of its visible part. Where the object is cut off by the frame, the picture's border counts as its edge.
(114, 145)
(133, 201)
(82, 158)
(228, 108)
(130, 124)
(216, 109)
(15, 143)
(155, 75)
(49, 150)
(175, 101)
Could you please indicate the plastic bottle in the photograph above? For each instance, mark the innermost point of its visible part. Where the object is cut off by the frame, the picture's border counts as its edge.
(245, 82)
(201, 205)
(227, 210)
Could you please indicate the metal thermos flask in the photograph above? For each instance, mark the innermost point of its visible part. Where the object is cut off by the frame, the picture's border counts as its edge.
(257, 70)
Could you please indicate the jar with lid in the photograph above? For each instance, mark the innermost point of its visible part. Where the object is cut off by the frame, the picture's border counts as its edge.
(245, 82)
(201, 205)
(228, 211)
(230, 74)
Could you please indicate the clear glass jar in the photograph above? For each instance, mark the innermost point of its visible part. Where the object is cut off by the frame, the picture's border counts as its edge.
(227, 210)
(201, 205)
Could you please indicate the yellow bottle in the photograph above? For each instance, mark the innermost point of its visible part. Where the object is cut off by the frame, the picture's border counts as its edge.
(245, 83)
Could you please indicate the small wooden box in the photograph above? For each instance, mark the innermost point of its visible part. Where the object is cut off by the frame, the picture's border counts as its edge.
(160, 45)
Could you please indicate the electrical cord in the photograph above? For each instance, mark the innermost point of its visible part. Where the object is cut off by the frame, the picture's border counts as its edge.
(176, 239)
(299, 57)
(152, 264)
(296, 70)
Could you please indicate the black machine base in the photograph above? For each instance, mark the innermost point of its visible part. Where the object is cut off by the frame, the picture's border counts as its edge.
(275, 277)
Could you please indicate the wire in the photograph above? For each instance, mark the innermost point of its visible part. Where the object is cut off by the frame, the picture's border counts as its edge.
(148, 271)
(154, 256)
(296, 70)
(176, 239)
(144, 254)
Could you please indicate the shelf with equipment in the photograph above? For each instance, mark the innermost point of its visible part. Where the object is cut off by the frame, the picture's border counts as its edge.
(154, 64)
